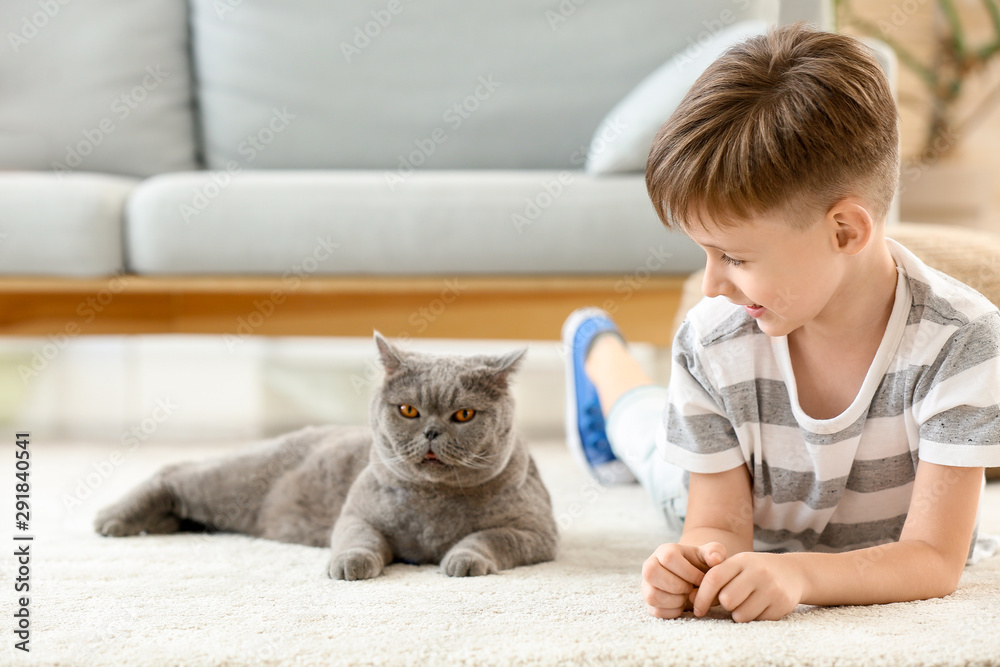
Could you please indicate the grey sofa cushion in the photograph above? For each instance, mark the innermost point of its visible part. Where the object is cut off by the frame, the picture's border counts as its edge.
(65, 225)
(429, 84)
(622, 141)
(101, 85)
(437, 222)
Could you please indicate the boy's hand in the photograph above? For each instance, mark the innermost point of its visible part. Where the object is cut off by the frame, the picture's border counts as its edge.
(671, 574)
(752, 586)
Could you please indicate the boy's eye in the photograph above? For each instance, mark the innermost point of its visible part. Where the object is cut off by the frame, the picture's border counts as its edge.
(464, 415)
(726, 259)
(409, 411)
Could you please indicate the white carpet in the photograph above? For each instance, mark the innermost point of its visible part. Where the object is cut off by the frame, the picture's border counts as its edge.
(233, 600)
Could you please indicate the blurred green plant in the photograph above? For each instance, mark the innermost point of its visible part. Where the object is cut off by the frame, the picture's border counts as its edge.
(13, 389)
(952, 64)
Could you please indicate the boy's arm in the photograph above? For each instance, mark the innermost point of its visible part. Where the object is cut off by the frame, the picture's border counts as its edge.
(926, 562)
(720, 509)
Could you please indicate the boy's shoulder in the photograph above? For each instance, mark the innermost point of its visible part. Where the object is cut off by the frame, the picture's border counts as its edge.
(937, 296)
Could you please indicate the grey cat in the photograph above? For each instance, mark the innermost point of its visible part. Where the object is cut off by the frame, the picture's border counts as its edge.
(440, 477)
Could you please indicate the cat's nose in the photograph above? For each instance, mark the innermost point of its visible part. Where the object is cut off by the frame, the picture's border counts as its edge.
(431, 433)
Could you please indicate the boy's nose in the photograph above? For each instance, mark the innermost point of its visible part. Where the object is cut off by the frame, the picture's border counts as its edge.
(715, 283)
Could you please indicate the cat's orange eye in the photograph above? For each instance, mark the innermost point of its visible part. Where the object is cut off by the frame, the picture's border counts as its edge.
(464, 415)
(409, 411)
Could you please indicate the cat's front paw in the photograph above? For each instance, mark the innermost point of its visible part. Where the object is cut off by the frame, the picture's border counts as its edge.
(467, 563)
(355, 564)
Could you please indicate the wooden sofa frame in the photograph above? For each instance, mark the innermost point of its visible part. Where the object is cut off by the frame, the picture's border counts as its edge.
(507, 307)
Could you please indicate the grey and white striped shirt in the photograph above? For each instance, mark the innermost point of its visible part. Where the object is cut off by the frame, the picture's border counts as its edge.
(932, 393)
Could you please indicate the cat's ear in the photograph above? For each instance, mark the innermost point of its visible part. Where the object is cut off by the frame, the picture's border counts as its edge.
(510, 362)
(500, 368)
(392, 358)
(492, 373)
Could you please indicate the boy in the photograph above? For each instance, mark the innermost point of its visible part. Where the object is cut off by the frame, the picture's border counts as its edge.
(833, 400)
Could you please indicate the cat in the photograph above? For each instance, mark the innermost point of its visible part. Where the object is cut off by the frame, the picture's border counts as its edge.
(440, 476)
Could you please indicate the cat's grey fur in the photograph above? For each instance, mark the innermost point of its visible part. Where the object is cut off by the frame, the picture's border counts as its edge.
(376, 495)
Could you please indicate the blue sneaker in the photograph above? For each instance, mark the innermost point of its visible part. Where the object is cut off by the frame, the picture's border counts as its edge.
(585, 431)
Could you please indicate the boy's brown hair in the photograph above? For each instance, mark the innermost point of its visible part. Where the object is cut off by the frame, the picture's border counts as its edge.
(795, 118)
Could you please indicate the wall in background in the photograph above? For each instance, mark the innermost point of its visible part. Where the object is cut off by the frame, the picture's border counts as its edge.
(200, 388)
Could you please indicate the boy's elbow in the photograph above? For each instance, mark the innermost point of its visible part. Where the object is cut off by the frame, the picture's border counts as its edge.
(951, 581)
(943, 585)
(946, 573)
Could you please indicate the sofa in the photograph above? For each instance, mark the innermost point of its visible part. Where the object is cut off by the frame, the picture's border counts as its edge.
(279, 167)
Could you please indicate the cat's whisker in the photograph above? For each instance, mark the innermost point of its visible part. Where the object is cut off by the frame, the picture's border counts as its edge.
(466, 459)
(408, 450)
(394, 459)
(474, 465)
(478, 461)
(458, 479)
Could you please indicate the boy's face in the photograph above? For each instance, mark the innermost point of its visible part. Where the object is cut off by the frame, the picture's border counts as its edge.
(782, 275)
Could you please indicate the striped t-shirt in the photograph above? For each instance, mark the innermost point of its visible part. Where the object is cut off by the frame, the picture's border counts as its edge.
(931, 393)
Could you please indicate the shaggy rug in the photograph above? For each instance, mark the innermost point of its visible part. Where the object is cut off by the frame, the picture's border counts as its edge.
(233, 600)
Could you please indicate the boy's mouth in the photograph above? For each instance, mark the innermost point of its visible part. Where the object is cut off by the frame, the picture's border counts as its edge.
(755, 310)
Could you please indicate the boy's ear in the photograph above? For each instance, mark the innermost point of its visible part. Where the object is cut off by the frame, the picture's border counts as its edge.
(854, 225)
